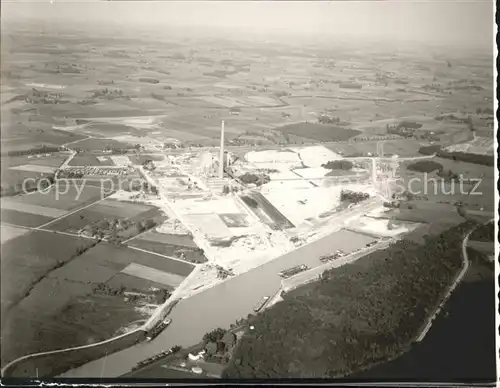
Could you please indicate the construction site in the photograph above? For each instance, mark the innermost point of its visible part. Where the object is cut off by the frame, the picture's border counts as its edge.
(244, 210)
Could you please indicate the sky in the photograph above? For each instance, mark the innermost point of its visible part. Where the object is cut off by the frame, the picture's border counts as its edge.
(460, 22)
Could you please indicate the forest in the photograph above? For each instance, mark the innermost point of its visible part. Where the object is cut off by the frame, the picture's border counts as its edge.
(425, 166)
(485, 232)
(486, 160)
(354, 316)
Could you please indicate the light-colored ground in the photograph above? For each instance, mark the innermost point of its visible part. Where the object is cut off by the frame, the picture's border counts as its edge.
(312, 172)
(8, 232)
(316, 156)
(272, 156)
(210, 225)
(221, 101)
(479, 145)
(32, 209)
(380, 227)
(34, 168)
(155, 275)
(172, 226)
(121, 160)
(215, 205)
(299, 204)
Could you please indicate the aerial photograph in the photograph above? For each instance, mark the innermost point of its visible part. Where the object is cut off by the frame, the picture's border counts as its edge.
(231, 191)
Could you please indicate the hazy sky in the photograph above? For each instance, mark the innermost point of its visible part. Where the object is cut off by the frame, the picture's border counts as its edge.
(470, 22)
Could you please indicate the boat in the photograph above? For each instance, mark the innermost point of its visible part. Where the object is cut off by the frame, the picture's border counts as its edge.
(261, 304)
(155, 331)
(293, 271)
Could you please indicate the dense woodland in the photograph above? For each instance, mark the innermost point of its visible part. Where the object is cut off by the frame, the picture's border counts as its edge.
(484, 233)
(338, 165)
(486, 160)
(356, 315)
(353, 196)
(256, 179)
(425, 166)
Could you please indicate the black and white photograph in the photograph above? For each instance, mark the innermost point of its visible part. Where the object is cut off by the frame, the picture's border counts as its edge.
(233, 192)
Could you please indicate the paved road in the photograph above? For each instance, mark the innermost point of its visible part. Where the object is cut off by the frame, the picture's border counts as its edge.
(456, 282)
(220, 306)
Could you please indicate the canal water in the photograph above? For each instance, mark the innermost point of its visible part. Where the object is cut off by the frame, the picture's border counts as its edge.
(460, 346)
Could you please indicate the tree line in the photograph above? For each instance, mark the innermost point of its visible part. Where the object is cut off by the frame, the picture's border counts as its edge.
(486, 160)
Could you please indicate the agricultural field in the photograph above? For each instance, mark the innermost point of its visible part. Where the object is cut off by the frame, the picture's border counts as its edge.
(75, 282)
(423, 212)
(32, 209)
(181, 247)
(142, 158)
(107, 209)
(21, 218)
(401, 147)
(43, 160)
(319, 132)
(32, 135)
(438, 190)
(17, 169)
(99, 144)
(62, 195)
(106, 129)
(8, 232)
(118, 257)
(29, 258)
(480, 145)
(143, 91)
(86, 159)
(79, 293)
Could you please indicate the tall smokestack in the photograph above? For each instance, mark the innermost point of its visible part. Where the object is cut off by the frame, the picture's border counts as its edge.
(221, 157)
(374, 170)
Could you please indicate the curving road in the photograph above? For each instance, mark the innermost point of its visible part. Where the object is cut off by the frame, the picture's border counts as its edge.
(221, 305)
(456, 282)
